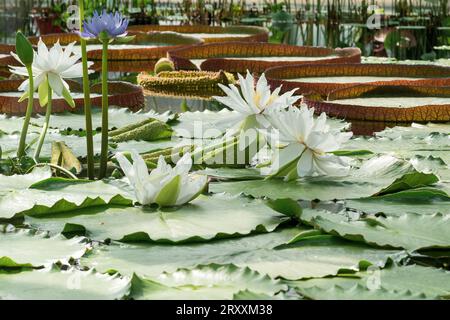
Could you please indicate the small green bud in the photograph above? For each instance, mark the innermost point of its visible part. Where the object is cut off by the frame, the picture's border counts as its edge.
(24, 49)
(164, 64)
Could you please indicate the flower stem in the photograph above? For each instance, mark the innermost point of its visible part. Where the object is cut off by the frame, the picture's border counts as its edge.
(26, 122)
(48, 112)
(104, 148)
(87, 100)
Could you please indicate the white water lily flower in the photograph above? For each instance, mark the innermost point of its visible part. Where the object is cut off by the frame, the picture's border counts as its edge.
(53, 65)
(165, 186)
(305, 144)
(252, 103)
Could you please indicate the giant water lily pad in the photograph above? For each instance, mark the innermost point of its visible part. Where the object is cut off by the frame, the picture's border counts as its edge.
(144, 46)
(205, 218)
(323, 79)
(256, 57)
(212, 282)
(55, 284)
(26, 248)
(383, 174)
(385, 103)
(121, 94)
(314, 257)
(210, 33)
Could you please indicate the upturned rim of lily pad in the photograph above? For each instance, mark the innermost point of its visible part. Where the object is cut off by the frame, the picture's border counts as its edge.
(171, 40)
(422, 113)
(255, 33)
(432, 76)
(122, 94)
(216, 54)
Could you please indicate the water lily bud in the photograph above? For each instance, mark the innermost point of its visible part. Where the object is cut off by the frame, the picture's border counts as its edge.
(164, 64)
(151, 131)
(24, 49)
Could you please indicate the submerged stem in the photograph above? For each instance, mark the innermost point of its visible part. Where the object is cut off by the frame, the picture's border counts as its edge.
(48, 112)
(104, 147)
(87, 100)
(26, 123)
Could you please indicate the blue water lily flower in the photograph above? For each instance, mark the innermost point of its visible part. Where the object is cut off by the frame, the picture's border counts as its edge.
(113, 25)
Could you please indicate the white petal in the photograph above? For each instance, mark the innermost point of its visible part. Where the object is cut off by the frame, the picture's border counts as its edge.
(285, 156)
(139, 165)
(184, 165)
(56, 83)
(126, 167)
(75, 71)
(332, 165)
(191, 187)
(305, 166)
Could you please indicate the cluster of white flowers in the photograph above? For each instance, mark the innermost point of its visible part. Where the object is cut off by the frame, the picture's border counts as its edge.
(301, 143)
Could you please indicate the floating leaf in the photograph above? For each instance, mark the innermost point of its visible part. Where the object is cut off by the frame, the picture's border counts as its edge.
(55, 284)
(212, 282)
(408, 231)
(380, 174)
(18, 182)
(26, 248)
(57, 195)
(359, 292)
(311, 257)
(419, 201)
(118, 118)
(205, 218)
(394, 281)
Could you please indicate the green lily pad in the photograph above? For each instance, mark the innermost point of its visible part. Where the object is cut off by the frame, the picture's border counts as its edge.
(421, 282)
(383, 174)
(55, 195)
(212, 282)
(205, 218)
(55, 284)
(409, 231)
(418, 201)
(26, 248)
(310, 257)
(118, 118)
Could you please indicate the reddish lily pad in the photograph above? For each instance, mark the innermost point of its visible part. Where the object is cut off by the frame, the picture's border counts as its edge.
(145, 46)
(385, 103)
(323, 78)
(212, 33)
(238, 57)
(6, 59)
(121, 94)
